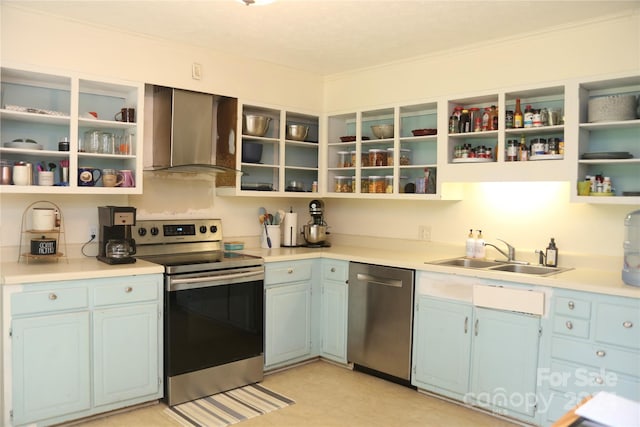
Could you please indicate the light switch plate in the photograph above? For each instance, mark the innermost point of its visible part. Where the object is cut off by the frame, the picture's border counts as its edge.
(196, 71)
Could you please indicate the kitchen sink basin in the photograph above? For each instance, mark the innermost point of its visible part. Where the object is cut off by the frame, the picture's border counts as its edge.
(467, 263)
(482, 264)
(538, 270)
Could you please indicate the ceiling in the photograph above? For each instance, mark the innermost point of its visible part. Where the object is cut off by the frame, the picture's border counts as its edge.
(332, 36)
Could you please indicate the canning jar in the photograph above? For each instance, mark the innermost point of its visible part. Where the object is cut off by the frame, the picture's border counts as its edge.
(376, 184)
(390, 156)
(343, 184)
(344, 159)
(388, 184)
(353, 158)
(377, 157)
(364, 184)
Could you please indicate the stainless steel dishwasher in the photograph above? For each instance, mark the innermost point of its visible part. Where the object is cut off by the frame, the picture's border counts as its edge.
(380, 320)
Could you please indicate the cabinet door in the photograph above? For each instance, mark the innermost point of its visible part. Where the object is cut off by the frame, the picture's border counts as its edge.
(126, 353)
(505, 360)
(334, 320)
(288, 322)
(50, 366)
(442, 345)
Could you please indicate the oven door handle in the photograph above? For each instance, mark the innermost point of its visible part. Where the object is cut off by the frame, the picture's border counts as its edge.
(200, 282)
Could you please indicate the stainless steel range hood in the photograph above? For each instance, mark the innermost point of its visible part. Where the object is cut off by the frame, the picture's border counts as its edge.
(189, 131)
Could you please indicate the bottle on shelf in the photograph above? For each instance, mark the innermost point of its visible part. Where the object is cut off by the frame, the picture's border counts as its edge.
(470, 247)
(551, 254)
(518, 118)
(479, 251)
(528, 117)
(523, 152)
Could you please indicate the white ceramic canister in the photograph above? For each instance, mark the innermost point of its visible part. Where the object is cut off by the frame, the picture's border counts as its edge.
(43, 219)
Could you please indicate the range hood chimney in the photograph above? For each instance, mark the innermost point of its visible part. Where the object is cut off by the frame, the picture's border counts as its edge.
(188, 131)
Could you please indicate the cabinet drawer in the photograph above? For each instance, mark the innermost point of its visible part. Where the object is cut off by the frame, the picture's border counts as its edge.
(572, 307)
(580, 381)
(337, 271)
(617, 324)
(287, 272)
(570, 326)
(601, 356)
(125, 292)
(49, 300)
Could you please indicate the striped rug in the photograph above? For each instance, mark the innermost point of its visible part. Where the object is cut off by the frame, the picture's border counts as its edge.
(228, 408)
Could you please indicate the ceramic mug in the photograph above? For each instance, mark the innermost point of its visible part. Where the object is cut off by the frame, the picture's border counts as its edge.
(127, 178)
(87, 176)
(112, 178)
(45, 178)
(20, 175)
(126, 115)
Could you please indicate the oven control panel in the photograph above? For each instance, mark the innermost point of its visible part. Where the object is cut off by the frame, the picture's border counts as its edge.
(176, 231)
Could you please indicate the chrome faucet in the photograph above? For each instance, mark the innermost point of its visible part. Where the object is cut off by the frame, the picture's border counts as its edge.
(511, 255)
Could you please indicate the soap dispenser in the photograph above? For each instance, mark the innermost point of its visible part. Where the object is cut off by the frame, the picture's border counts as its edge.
(551, 254)
(480, 251)
(470, 247)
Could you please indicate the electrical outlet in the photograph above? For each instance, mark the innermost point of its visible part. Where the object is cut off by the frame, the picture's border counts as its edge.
(424, 233)
(93, 232)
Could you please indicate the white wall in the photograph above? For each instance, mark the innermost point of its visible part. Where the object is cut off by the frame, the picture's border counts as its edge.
(598, 48)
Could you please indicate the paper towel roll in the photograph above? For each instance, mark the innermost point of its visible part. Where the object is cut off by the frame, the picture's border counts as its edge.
(290, 229)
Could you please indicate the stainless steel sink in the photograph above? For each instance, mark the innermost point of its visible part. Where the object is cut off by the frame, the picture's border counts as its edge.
(467, 263)
(538, 270)
(481, 264)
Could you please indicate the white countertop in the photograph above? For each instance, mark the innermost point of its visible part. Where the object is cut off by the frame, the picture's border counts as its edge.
(588, 279)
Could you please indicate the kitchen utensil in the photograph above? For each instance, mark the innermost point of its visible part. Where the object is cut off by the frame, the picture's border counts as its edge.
(251, 152)
(382, 131)
(266, 233)
(255, 125)
(607, 155)
(612, 108)
(23, 144)
(52, 167)
(297, 132)
(423, 132)
(43, 219)
(314, 233)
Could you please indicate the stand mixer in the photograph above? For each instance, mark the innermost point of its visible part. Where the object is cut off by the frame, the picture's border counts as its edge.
(315, 233)
(115, 244)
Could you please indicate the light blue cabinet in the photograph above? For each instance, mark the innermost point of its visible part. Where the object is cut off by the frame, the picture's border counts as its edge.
(594, 346)
(442, 346)
(51, 366)
(505, 361)
(287, 312)
(78, 348)
(333, 305)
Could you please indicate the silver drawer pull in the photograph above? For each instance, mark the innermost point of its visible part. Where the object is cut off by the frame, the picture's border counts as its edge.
(571, 305)
(53, 296)
(466, 324)
(601, 353)
(128, 289)
(290, 270)
(599, 380)
(569, 324)
(627, 324)
(476, 328)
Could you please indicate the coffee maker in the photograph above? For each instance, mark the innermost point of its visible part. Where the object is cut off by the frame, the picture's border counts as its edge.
(116, 246)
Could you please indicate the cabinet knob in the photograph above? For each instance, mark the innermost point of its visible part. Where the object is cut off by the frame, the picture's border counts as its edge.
(53, 296)
(128, 289)
(571, 305)
(290, 270)
(333, 269)
(569, 324)
(627, 324)
(601, 353)
(599, 380)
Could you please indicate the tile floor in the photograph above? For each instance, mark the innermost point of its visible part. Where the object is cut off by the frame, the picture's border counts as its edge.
(329, 395)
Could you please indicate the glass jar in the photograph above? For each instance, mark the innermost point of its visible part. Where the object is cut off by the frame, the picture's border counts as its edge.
(343, 184)
(353, 158)
(377, 157)
(344, 159)
(364, 184)
(376, 184)
(390, 156)
(512, 150)
(364, 160)
(388, 184)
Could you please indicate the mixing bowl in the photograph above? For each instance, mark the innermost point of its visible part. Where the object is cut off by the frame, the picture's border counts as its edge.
(382, 131)
(297, 132)
(251, 152)
(256, 125)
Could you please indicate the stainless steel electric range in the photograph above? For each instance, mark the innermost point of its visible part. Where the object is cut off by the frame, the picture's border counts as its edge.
(213, 307)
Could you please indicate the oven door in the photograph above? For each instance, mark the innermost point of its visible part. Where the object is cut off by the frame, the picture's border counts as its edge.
(213, 319)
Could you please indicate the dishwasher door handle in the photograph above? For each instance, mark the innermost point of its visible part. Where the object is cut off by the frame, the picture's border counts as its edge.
(379, 280)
